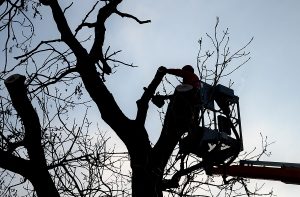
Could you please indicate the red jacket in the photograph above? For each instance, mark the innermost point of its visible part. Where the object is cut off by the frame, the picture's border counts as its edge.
(188, 77)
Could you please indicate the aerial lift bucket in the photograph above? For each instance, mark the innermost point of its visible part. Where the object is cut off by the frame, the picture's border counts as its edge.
(217, 139)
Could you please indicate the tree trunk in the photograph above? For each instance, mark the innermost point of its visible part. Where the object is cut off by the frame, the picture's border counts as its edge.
(43, 183)
(38, 175)
(145, 183)
(147, 180)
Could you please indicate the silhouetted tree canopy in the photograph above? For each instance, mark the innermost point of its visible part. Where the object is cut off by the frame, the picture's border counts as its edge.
(48, 143)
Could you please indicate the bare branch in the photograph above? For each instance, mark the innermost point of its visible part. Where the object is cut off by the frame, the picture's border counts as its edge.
(36, 48)
(132, 17)
(83, 24)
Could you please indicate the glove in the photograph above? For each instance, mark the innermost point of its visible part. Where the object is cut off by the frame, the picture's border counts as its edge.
(162, 69)
(158, 100)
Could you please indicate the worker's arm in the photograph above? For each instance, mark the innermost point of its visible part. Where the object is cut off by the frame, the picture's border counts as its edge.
(180, 73)
(188, 77)
(176, 72)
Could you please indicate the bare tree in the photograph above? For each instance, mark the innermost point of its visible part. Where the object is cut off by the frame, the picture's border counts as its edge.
(49, 143)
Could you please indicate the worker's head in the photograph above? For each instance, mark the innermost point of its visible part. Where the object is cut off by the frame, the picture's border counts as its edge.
(188, 68)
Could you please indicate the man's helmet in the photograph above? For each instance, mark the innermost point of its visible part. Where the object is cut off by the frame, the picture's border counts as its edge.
(188, 68)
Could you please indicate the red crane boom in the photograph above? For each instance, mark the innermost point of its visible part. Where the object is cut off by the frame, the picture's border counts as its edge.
(278, 171)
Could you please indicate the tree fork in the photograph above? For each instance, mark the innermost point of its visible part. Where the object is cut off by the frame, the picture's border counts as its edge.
(177, 122)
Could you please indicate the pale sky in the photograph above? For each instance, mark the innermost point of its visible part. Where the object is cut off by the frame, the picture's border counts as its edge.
(267, 85)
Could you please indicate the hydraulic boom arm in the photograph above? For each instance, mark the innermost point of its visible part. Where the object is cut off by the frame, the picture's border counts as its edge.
(278, 171)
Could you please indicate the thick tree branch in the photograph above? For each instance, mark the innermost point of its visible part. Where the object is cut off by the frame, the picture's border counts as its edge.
(143, 103)
(134, 136)
(65, 31)
(103, 14)
(126, 129)
(178, 120)
(45, 2)
(96, 52)
(17, 90)
(14, 163)
(38, 172)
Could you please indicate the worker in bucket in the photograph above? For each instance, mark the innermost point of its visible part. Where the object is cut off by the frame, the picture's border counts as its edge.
(187, 74)
(189, 78)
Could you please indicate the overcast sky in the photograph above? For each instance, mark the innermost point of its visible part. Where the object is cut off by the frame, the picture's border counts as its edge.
(267, 85)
